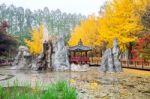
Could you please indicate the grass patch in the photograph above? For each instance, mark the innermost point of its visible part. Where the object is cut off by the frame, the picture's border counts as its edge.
(58, 90)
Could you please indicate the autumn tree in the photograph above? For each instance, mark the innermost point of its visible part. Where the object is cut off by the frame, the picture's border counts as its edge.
(121, 19)
(87, 32)
(145, 19)
(35, 44)
(7, 42)
(142, 48)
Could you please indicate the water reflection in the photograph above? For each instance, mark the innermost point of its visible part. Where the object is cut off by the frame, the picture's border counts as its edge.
(131, 84)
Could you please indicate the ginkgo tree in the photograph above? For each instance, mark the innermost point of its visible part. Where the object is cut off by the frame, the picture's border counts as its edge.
(120, 19)
(87, 32)
(36, 43)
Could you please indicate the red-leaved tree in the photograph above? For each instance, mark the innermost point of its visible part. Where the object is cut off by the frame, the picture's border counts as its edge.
(142, 48)
(7, 42)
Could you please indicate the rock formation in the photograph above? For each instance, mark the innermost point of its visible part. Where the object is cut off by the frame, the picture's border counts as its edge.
(110, 59)
(54, 56)
(42, 61)
(60, 56)
(79, 68)
(23, 59)
(116, 53)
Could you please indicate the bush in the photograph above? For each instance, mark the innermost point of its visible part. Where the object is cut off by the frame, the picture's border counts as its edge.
(58, 90)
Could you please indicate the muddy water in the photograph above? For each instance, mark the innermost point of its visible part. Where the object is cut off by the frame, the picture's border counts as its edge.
(131, 84)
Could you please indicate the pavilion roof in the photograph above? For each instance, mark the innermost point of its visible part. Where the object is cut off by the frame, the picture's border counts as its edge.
(80, 47)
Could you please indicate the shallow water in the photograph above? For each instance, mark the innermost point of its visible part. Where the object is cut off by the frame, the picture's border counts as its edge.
(130, 84)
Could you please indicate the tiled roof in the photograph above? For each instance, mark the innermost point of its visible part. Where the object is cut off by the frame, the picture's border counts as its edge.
(80, 47)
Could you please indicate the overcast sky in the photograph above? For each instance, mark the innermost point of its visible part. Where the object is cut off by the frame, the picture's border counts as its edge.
(85, 7)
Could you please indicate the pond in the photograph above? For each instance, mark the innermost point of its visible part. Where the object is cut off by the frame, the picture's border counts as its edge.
(130, 84)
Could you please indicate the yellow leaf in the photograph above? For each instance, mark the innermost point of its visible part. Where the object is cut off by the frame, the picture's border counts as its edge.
(35, 44)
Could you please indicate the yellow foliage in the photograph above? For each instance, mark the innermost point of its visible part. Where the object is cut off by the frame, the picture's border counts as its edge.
(87, 32)
(72, 81)
(35, 44)
(120, 19)
(93, 85)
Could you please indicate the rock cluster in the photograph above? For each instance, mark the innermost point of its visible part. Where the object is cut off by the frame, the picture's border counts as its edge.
(60, 57)
(110, 59)
(23, 59)
(77, 67)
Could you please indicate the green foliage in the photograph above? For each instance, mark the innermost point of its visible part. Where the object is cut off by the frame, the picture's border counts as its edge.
(58, 90)
(22, 20)
(61, 85)
(69, 93)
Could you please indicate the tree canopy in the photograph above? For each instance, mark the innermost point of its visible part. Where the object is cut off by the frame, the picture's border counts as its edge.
(36, 43)
(87, 32)
(23, 20)
(119, 19)
(141, 50)
(7, 42)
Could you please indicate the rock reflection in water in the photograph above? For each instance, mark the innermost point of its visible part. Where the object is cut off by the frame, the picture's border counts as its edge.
(110, 85)
(131, 84)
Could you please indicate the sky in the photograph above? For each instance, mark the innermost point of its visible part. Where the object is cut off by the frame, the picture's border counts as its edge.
(84, 7)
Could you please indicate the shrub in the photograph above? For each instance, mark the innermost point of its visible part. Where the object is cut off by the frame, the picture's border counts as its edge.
(58, 90)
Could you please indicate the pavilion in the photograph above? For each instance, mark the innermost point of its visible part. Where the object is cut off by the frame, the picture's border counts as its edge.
(79, 54)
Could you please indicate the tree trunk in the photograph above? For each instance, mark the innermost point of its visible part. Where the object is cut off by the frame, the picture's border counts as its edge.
(130, 56)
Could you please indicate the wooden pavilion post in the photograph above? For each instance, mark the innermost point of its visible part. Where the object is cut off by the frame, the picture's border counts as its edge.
(74, 54)
(86, 55)
(81, 58)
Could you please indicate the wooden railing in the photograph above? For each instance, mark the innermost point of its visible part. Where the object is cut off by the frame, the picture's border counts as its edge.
(137, 64)
(95, 61)
(79, 60)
